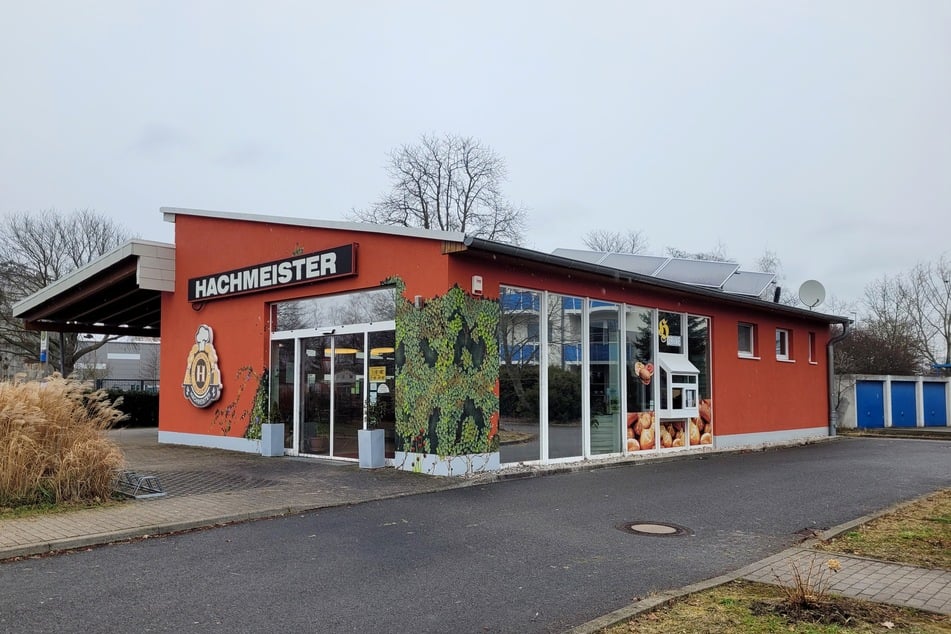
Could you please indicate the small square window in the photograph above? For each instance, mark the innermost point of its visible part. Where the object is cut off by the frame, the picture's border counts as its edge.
(783, 345)
(746, 340)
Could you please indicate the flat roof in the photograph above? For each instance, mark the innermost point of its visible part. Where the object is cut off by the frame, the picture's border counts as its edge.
(394, 230)
(118, 293)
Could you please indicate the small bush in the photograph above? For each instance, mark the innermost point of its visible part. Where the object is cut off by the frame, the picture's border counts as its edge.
(809, 584)
(139, 407)
(52, 443)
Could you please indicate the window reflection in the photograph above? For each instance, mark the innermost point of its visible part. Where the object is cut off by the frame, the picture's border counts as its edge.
(352, 308)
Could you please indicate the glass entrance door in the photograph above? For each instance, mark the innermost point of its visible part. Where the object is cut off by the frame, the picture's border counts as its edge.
(315, 395)
(332, 394)
(348, 393)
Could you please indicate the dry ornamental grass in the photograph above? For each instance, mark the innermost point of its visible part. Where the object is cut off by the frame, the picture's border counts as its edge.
(53, 447)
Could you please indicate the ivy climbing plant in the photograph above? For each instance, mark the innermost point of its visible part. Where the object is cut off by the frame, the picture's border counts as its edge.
(447, 370)
(259, 409)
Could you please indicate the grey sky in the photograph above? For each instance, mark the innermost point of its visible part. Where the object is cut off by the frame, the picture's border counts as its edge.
(820, 130)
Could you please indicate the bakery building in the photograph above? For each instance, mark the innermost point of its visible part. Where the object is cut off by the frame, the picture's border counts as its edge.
(443, 353)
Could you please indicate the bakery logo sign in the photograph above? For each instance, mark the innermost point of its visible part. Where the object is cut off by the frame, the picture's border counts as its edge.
(202, 383)
(298, 269)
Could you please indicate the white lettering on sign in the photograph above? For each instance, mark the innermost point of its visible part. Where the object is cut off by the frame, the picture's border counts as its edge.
(300, 269)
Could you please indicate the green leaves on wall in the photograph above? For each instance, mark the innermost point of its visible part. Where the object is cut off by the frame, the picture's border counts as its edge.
(447, 368)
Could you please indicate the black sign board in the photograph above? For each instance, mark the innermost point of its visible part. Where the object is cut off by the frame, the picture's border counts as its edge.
(298, 269)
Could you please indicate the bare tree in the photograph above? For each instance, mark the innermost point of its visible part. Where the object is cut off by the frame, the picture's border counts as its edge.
(770, 262)
(717, 254)
(868, 350)
(916, 305)
(925, 296)
(35, 251)
(885, 313)
(448, 183)
(150, 361)
(630, 241)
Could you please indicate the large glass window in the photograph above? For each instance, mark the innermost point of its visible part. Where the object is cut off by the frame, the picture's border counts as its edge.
(640, 376)
(564, 376)
(670, 332)
(365, 307)
(518, 374)
(605, 378)
(698, 352)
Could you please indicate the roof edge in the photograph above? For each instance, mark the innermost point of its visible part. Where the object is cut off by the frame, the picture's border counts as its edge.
(480, 244)
(133, 247)
(169, 214)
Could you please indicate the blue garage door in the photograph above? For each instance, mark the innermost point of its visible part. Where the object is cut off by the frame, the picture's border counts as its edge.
(903, 404)
(936, 409)
(870, 404)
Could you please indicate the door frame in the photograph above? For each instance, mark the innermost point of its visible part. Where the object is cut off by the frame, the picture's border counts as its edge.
(328, 331)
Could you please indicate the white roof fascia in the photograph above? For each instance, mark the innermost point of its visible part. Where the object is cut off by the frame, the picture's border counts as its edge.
(160, 255)
(366, 227)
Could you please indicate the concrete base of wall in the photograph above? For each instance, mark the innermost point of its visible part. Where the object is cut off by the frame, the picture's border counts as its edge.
(431, 464)
(208, 440)
(766, 439)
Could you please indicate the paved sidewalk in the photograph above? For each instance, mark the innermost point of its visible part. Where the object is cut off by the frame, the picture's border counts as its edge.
(208, 487)
(861, 578)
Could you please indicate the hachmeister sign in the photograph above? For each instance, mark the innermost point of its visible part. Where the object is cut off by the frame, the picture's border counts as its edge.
(299, 269)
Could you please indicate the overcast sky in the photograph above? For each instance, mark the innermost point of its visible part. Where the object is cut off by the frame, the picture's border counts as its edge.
(819, 130)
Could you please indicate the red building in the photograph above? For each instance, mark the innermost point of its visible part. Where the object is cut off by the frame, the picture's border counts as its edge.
(467, 354)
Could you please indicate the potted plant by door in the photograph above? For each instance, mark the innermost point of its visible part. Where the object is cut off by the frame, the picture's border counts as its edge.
(265, 417)
(371, 441)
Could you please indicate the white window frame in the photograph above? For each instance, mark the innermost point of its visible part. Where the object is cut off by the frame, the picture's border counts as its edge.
(784, 342)
(812, 349)
(751, 353)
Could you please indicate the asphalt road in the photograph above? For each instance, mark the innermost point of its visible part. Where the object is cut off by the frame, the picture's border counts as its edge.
(530, 555)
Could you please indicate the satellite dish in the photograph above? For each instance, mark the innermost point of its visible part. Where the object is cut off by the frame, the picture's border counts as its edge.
(812, 293)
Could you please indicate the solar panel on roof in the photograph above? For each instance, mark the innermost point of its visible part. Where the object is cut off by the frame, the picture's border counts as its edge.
(725, 276)
(594, 257)
(643, 264)
(699, 272)
(748, 283)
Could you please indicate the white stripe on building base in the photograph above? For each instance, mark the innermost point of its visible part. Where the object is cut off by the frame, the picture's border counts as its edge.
(211, 441)
(767, 438)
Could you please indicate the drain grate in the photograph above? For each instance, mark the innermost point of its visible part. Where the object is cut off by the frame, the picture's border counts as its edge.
(198, 482)
(654, 529)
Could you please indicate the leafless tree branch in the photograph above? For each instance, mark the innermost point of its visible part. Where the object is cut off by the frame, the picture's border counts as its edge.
(449, 183)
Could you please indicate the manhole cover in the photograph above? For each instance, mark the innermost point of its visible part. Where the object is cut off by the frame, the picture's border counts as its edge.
(654, 529)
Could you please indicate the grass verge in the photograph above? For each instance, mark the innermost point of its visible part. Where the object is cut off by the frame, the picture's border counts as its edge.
(917, 534)
(47, 508)
(742, 606)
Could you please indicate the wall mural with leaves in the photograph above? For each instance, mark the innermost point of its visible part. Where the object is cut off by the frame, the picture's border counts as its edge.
(447, 368)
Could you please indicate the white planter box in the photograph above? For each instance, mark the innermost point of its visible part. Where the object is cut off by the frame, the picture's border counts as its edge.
(272, 439)
(371, 444)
